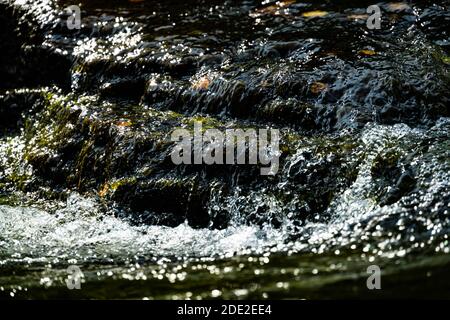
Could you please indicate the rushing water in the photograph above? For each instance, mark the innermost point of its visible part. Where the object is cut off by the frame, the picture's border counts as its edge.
(364, 174)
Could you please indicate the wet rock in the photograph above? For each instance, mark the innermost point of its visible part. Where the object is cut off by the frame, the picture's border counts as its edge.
(108, 132)
(404, 185)
(26, 60)
(86, 145)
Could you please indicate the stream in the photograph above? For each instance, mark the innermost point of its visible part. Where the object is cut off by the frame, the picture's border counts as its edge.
(86, 177)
